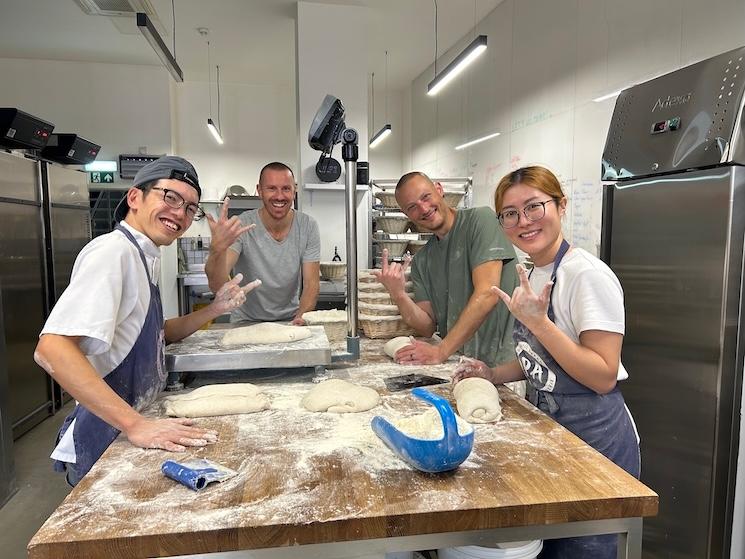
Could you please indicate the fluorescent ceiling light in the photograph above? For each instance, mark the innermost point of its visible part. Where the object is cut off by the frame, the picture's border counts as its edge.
(478, 140)
(608, 96)
(147, 28)
(459, 63)
(215, 131)
(101, 166)
(381, 135)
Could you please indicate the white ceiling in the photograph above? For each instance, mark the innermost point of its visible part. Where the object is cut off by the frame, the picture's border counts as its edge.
(251, 40)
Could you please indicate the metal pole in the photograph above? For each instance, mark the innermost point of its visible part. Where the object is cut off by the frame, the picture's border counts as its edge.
(350, 154)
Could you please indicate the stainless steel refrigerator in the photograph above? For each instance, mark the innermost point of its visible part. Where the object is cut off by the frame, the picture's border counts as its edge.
(23, 291)
(67, 229)
(673, 229)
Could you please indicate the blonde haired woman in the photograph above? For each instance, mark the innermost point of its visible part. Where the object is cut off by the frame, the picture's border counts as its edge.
(569, 326)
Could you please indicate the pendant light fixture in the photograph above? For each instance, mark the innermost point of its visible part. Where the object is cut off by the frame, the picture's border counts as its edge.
(384, 132)
(459, 63)
(214, 129)
(148, 30)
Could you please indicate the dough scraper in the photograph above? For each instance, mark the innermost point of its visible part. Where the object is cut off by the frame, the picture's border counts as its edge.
(428, 455)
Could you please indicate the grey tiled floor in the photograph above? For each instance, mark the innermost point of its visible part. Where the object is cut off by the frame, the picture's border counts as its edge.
(40, 489)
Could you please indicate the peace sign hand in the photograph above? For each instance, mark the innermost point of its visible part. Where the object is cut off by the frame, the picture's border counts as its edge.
(525, 305)
(224, 231)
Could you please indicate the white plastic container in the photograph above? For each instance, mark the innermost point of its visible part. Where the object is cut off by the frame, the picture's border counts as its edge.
(510, 550)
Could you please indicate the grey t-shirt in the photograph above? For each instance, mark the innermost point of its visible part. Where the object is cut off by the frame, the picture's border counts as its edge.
(278, 264)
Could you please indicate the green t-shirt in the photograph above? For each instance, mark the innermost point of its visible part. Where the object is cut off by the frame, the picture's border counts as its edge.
(441, 272)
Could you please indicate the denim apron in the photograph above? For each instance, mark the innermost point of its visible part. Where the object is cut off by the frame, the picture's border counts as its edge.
(601, 420)
(138, 380)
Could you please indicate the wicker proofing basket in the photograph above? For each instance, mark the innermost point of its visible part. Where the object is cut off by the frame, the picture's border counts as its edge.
(387, 199)
(334, 323)
(383, 327)
(452, 199)
(415, 246)
(333, 270)
(395, 248)
(374, 309)
(392, 223)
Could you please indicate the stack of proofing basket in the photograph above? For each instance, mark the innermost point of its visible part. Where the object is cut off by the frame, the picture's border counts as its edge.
(379, 316)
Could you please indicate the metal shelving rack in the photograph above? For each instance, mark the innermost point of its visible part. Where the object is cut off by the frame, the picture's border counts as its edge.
(377, 209)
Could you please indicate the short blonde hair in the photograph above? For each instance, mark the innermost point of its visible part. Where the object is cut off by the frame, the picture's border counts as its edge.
(534, 176)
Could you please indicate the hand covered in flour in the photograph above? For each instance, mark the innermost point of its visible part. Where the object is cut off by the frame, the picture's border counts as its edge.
(393, 275)
(528, 307)
(420, 353)
(232, 295)
(298, 321)
(224, 232)
(468, 367)
(168, 434)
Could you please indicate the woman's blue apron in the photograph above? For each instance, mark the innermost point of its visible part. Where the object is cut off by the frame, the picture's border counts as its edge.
(601, 420)
(138, 380)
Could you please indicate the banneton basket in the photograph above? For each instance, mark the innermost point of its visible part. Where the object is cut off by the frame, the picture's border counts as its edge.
(373, 309)
(392, 223)
(333, 270)
(415, 245)
(380, 288)
(387, 199)
(453, 198)
(396, 247)
(374, 297)
(384, 326)
(334, 323)
(366, 276)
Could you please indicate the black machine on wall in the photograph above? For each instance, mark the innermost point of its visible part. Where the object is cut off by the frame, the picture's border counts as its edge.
(673, 229)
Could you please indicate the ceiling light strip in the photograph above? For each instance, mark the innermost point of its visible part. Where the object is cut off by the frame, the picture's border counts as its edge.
(381, 135)
(459, 63)
(215, 131)
(478, 140)
(147, 28)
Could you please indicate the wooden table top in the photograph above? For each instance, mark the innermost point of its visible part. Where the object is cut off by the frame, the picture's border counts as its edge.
(307, 477)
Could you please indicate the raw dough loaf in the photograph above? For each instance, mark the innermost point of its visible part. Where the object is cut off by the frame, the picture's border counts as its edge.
(477, 400)
(428, 425)
(340, 396)
(265, 333)
(392, 346)
(217, 399)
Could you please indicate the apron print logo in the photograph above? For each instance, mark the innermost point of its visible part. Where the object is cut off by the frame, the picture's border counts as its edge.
(535, 370)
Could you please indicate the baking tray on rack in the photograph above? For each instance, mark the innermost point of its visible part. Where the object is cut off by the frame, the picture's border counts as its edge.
(202, 351)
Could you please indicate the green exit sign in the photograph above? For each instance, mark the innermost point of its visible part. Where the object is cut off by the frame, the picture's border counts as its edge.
(101, 177)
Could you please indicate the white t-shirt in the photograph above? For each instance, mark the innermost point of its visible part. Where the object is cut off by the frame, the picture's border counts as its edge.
(587, 296)
(106, 304)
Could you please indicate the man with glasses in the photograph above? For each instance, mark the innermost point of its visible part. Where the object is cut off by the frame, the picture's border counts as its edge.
(452, 276)
(275, 243)
(104, 339)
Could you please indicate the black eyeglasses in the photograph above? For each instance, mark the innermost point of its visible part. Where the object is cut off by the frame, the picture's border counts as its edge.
(176, 201)
(535, 211)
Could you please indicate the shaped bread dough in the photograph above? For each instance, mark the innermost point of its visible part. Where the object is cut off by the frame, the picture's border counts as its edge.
(266, 333)
(392, 346)
(217, 399)
(340, 396)
(428, 425)
(477, 400)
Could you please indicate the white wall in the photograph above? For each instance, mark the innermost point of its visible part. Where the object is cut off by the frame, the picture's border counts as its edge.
(118, 106)
(544, 64)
